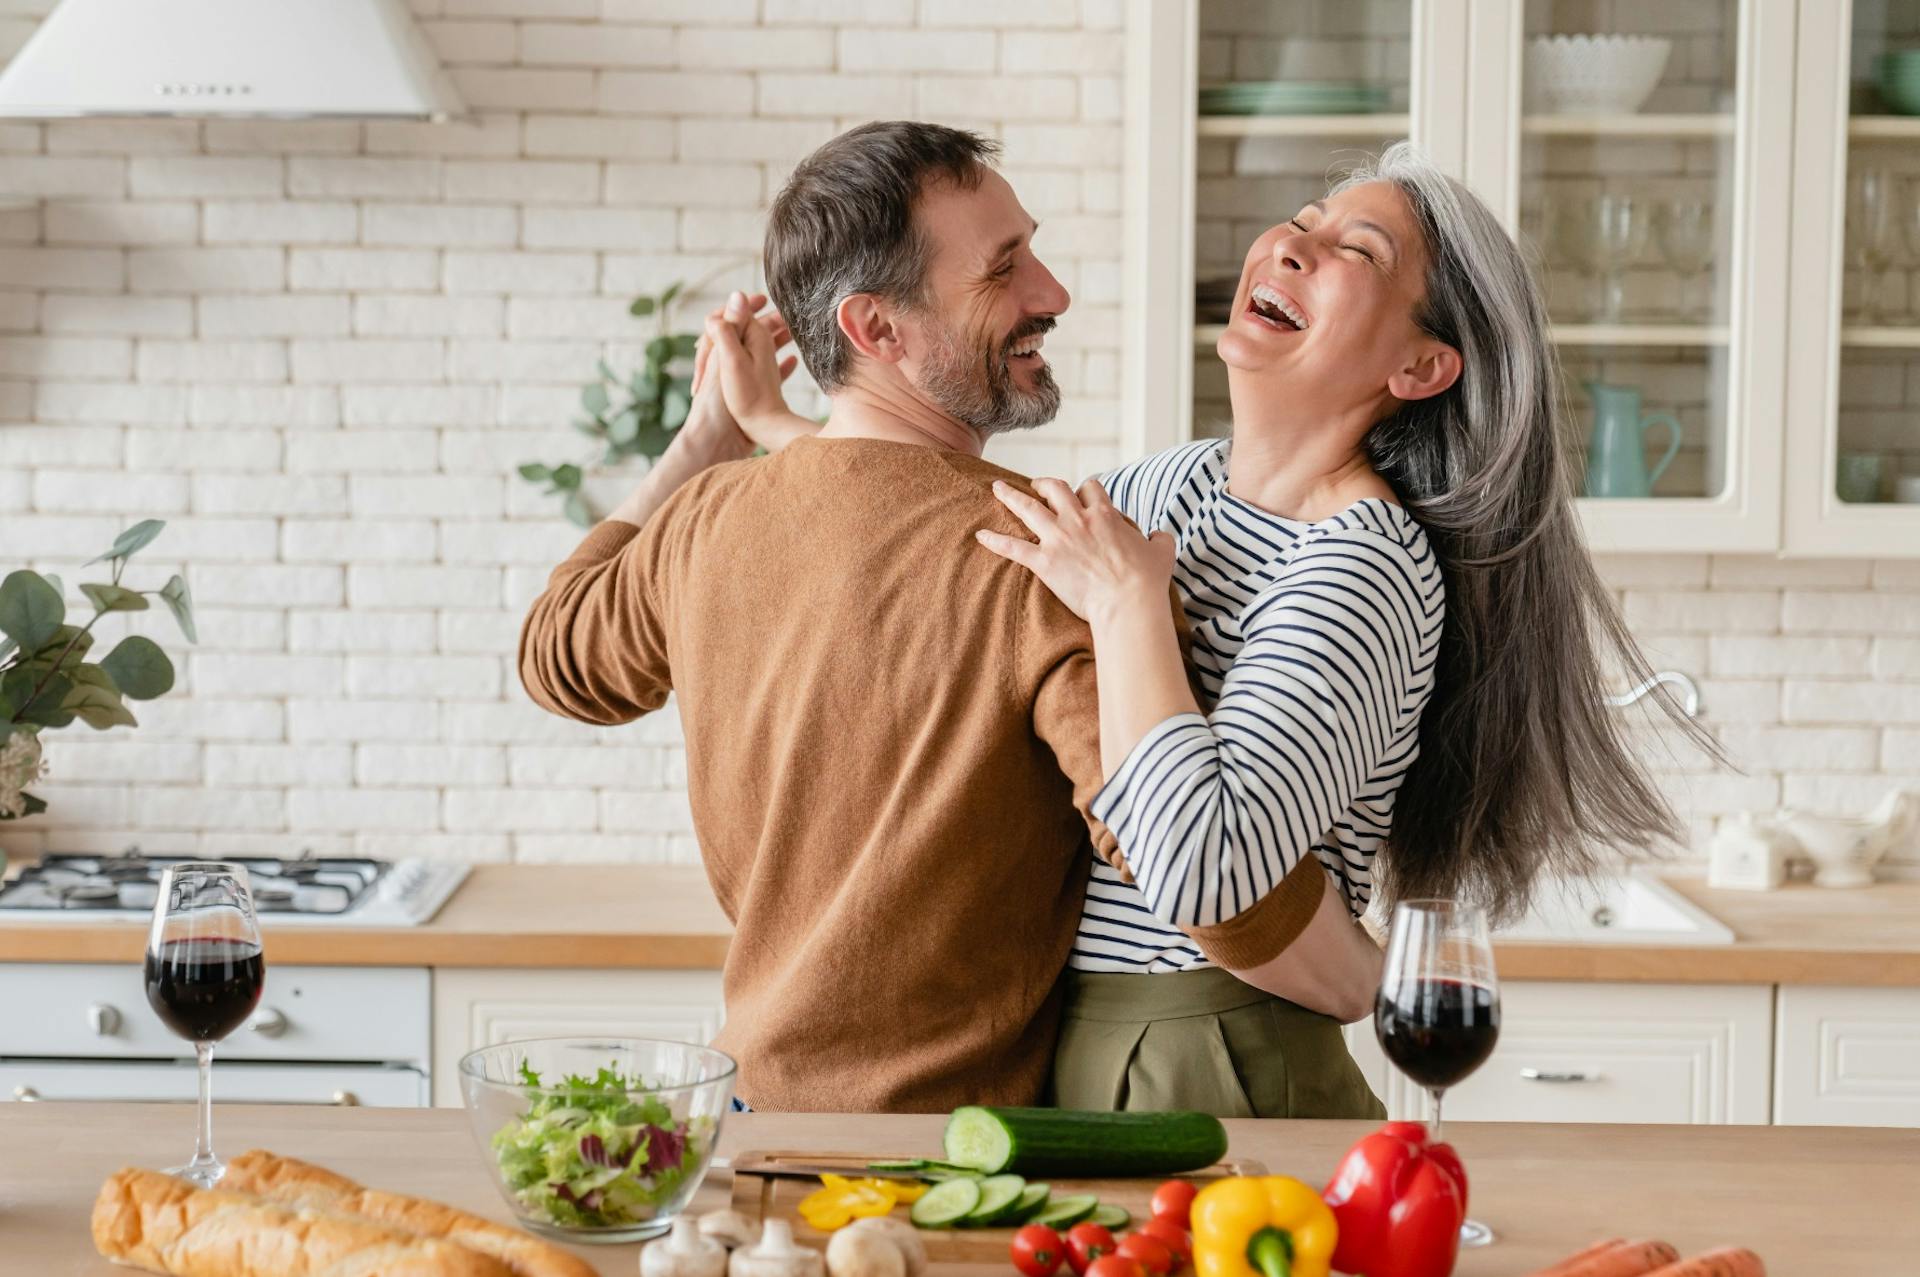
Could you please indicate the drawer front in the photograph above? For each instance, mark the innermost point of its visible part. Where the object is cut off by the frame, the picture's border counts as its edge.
(1848, 1057)
(305, 1013)
(1609, 1053)
(477, 1008)
(58, 1080)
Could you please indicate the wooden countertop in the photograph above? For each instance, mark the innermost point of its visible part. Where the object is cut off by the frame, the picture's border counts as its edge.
(654, 917)
(1810, 1201)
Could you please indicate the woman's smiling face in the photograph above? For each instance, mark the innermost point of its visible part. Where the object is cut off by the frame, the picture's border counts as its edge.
(1328, 299)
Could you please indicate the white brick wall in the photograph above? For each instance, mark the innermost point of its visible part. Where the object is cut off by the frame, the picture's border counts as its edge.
(319, 348)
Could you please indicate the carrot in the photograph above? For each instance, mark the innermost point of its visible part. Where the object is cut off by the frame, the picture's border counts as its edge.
(1621, 1259)
(1727, 1261)
(1576, 1259)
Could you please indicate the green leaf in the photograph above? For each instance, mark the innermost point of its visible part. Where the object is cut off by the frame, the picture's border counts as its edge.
(139, 668)
(97, 707)
(534, 472)
(646, 383)
(132, 540)
(595, 429)
(114, 598)
(684, 345)
(593, 397)
(641, 306)
(59, 586)
(30, 609)
(566, 477)
(180, 602)
(92, 676)
(576, 509)
(45, 709)
(82, 643)
(673, 291)
(659, 350)
(623, 426)
(675, 407)
(606, 371)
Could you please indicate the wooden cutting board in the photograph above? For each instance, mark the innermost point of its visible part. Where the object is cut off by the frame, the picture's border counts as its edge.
(760, 1189)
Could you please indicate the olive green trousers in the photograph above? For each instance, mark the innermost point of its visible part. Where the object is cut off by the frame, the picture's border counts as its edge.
(1201, 1040)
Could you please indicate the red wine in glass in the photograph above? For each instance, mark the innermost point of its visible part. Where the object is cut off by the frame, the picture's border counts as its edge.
(204, 974)
(205, 988)
(1438, 1011)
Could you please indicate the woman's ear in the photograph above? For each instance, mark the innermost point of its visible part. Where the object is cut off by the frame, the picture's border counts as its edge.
(870, 327)
(1434, 371)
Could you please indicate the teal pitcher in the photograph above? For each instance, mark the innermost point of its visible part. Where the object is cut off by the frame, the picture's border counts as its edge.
(1617, 455)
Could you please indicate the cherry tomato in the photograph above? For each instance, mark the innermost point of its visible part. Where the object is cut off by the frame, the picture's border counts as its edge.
(1038, 1250)
(1086, 1243)
(1173, 1200)
(1115, 1266)
(1152, 1254)
(1177, 1239)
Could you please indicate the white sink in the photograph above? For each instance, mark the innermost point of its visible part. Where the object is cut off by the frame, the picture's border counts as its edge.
(1632, 907)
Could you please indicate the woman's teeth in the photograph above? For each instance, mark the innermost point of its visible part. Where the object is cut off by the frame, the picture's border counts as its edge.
(1269, 305)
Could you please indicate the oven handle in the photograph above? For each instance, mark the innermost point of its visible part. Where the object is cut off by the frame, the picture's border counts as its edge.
(339, 1099)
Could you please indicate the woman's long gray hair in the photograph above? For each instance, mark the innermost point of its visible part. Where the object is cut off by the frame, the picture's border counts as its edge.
(1522, 769)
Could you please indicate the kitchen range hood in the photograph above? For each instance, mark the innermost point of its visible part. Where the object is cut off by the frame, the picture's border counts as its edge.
(280, 59)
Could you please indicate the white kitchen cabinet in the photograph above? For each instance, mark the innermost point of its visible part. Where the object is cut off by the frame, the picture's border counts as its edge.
(1847, 1057)
(476, 1007)
(1608, 1053)
(1757, 134)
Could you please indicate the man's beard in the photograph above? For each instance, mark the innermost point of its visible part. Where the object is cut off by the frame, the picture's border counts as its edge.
(975, 384)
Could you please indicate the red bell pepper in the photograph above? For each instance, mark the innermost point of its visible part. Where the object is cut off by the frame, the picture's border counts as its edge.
(1399, 1201)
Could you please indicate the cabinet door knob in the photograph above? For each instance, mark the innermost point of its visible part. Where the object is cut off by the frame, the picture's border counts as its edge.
(270, 1023)
(345, 1099)
(104, 1019)
(1558, 1075)
(25, 1094)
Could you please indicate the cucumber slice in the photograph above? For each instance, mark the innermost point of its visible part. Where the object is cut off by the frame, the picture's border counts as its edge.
(999, 1196)
(1108, 1215)
(945, 1205)
(1031, 1203)
(1065, 1212)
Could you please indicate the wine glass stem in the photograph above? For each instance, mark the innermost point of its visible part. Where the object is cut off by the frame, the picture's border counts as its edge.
(1437, 1093)
(203, 1140)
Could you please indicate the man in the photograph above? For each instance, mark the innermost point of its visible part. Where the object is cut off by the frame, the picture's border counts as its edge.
(892, 736)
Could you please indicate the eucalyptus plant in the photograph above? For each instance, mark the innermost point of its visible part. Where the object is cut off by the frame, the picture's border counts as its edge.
(632, 416)
(46, 678)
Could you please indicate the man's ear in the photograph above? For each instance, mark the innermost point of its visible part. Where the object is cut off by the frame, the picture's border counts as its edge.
(1431, 372)
(869, 324)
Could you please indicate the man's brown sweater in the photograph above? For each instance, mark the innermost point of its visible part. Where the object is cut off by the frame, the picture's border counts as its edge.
(892, 743)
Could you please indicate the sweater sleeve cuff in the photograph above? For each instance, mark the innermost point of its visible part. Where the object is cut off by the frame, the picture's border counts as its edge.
(1264, 932)
(1126, 803)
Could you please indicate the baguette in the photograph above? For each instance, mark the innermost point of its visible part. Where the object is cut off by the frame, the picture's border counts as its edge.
(165, 1225)
(302, 1184)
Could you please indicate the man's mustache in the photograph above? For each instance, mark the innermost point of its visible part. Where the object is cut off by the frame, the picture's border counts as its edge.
(1038, 326)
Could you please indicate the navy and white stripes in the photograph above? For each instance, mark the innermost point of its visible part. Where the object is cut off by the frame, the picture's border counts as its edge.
(1313, 646)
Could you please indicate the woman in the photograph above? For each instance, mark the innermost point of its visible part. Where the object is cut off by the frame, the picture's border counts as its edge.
(1397, 631)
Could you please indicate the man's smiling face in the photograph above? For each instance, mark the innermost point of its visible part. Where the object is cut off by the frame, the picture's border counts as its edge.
(987, 304)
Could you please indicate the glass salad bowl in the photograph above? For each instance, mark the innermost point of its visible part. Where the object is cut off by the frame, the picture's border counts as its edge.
(597, 1139)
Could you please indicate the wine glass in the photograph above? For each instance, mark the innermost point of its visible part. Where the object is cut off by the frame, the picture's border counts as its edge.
(1438, 1012)
(204, 974)
(1910, 228)
(1873, 238)
(1686, 242)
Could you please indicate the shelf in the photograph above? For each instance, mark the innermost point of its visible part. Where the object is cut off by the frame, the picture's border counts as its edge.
(1627, 125)
(1305, 125)
(1885, 338)
(1638, 335)
(1884, 126)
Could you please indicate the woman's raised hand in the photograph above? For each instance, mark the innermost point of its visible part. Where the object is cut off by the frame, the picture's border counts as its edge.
(739, 351)
(1089, 554)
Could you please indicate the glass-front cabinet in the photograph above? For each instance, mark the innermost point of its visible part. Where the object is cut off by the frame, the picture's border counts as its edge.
(1721, 197)
(1853, 482)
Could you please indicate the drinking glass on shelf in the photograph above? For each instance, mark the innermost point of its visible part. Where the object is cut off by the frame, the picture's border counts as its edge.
(204, 974)
(1438, 1011)
(1910, 227)
(1686, 244)
(1873, 235)
(1607, 233)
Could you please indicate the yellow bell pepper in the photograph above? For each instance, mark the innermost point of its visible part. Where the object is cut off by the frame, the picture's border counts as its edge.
(1271, 1226)
(839, 1201)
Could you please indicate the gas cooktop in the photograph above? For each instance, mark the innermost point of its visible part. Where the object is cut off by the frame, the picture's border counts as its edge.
(305, 890)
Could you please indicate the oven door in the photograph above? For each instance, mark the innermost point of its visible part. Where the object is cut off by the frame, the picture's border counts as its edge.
(234, 1081)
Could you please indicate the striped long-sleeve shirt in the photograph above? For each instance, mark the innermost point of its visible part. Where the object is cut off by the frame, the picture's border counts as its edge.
(1313, 649)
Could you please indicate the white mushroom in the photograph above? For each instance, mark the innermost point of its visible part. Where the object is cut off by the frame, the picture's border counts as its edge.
(683, 1253)
(903, 1235)
(728, 1227)
(777, 1255)
(867, 1252)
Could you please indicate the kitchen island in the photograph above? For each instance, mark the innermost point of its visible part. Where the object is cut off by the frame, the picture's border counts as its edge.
(1812, 1202)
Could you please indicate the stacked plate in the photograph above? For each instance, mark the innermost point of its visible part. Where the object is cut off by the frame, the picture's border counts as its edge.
(1293, 97)
(1900, 81)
